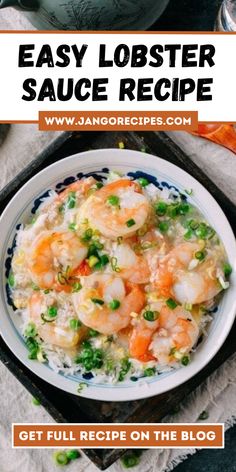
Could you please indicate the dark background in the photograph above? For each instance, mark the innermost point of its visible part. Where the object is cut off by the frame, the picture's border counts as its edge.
(199, 15)
(188, 15)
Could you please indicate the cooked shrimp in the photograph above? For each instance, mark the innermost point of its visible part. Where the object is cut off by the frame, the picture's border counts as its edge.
(54, 332)
(141, 338)
(80, 186)
(54, 253)
(93, 303)
(117, 209)
(131, 266)
(180, 274)
(176, 335)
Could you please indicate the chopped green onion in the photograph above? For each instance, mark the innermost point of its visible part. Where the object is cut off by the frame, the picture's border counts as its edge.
(150, 315)
(183, 208)
(47, 291)
(30, 330)
(40, 356)
(149, 372)
(114, 265)
(114, 304)
(72, 227)
(93, 333)
(161, 208)
(81, 387)
(119, 239)
(87, 235)
(52, 311)
(11, 280)
(125, 367)
(171, 303)
(92, 261)
(72, 454)
(204, 415)
(35, 287)
(36, 401)
(75, 324)
(61, 208)
(71, 201)
(76, 287)
(143, 182)
(33, 347)
(113, 200)
(163, 226)
(131, 459)
(188, 235)
(185, 360)
(189, 191)
(60, 458)
(97, 301)
(227, 270)
(192, 224)
(121, 145)
(103, 260)
(130, 223)
(99, 185)
(200, 255)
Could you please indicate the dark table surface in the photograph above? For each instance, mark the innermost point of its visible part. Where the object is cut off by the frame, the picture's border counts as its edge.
(188, 15)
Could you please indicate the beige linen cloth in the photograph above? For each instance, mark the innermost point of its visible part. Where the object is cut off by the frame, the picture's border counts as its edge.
(217, 395)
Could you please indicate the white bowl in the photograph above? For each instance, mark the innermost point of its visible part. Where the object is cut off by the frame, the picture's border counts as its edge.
(61, 174)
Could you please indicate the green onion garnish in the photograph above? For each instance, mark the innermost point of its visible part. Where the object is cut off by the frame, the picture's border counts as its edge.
(97, 301)
(171, 303)
(150, 315)
(125, 367)
(60, 458)
(188, 235)
(200, 255)
(114, 265)
(72, 227)
(99, 185)
(185, 360)
(163, 226)
(149, 372)
(36, 401)
(30, 330)
(72, 454)
(160, 208)
(113, 200)
(93, 333)
(130, 223)
(76, 287)
(227, 270)
(203, 415)
(114, 304)
(131, 459)
(35, 287)
(11, 280)
(143, 182)
(92, 261)
(71, 201)
(52, 311)
(75, 324)
(87, 235)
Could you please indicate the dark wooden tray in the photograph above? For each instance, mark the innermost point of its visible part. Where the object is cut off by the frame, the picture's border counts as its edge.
(65, 407)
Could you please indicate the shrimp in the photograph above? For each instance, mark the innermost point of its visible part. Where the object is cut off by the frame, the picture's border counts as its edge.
(141, 337)
(181, 275)
(52, 254)
(174, 330)
(80, 186)
(57, 332)
(176, 335)
(122, 215)
(92, 303)
(131, 266)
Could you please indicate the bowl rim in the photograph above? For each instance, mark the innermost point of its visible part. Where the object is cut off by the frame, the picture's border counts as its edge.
(135, 392)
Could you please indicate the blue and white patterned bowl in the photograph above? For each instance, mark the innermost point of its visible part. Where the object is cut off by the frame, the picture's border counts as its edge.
(98, 163)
